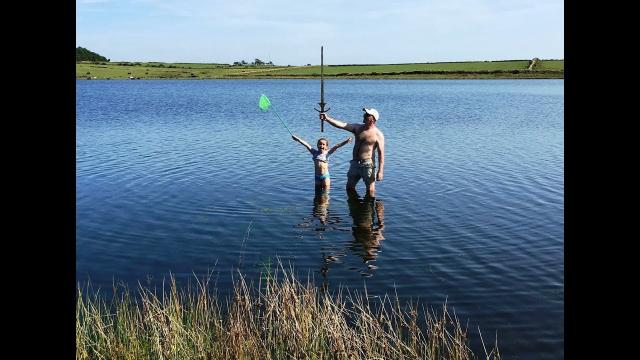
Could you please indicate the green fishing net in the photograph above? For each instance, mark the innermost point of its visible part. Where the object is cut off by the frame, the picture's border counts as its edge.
(264, 103)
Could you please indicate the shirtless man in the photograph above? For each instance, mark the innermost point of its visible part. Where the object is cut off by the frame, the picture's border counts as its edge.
(368, 140)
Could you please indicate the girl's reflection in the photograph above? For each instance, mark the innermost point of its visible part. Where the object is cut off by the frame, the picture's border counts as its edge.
(321, 206)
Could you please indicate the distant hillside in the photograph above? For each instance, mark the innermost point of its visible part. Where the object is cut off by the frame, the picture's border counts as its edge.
(507, 69)
(83, 54)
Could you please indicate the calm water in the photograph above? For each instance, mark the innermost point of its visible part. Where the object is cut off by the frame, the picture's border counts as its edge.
(186, 177)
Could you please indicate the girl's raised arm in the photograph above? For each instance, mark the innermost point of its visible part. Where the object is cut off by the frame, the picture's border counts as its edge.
(304, 143)
(337, 146)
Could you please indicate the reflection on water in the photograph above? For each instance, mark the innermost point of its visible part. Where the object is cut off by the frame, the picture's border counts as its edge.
(321, 218)
(368, 221)
(321, 206)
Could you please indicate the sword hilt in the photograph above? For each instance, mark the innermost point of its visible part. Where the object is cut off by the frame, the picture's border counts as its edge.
(322, 111)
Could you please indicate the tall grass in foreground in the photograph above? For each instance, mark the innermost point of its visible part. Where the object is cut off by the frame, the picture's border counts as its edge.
(281, 319)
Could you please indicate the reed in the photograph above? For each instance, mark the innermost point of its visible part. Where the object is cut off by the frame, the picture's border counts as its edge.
(279, 318)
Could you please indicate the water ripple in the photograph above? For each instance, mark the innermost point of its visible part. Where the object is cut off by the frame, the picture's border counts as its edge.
(183, 176)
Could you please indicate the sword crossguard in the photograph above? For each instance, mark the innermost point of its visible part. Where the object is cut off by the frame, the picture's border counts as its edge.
(322, 111)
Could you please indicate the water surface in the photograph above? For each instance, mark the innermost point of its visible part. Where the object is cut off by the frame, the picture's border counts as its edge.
(186, 177)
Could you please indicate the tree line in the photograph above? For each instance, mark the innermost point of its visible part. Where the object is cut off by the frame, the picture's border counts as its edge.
(255, 62)
(83, 54)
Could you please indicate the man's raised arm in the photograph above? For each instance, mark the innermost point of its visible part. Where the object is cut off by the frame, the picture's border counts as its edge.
(337, 123)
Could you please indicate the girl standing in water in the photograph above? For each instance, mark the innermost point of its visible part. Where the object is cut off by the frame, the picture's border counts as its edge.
(320, 159)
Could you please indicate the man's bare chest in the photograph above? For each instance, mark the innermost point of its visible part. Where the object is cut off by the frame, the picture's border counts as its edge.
(367, 137)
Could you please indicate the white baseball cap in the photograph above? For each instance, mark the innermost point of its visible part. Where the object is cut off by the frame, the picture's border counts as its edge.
(372, 111)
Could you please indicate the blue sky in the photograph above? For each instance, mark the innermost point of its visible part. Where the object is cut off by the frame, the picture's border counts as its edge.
(289, 32)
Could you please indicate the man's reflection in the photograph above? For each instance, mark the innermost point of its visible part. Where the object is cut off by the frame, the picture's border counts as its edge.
(367, 232)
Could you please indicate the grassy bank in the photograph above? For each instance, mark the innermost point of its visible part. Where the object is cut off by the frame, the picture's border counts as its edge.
(515, 69)
(280, 318)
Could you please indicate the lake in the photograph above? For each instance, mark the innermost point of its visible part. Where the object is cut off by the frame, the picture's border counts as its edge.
(191, 177)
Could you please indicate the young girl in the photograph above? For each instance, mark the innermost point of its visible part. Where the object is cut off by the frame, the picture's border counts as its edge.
(320, 159)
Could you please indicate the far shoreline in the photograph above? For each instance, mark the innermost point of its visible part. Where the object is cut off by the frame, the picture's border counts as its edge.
(506, 69)
(469, 77)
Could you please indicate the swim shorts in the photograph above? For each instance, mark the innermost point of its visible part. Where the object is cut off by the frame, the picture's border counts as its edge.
(362, 169)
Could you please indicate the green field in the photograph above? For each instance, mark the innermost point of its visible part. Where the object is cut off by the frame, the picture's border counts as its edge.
(514, 69)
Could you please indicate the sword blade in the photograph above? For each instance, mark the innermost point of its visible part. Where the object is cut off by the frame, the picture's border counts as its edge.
(321, 86)
(321, 78)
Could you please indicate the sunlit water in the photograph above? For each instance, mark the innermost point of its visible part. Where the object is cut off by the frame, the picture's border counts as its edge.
(190, 177)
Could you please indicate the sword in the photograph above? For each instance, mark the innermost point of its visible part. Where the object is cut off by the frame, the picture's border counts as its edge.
(322, 103)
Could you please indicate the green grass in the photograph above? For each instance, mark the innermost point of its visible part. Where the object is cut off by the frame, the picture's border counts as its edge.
(446, 70)
(280, 318)
(399, 68)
